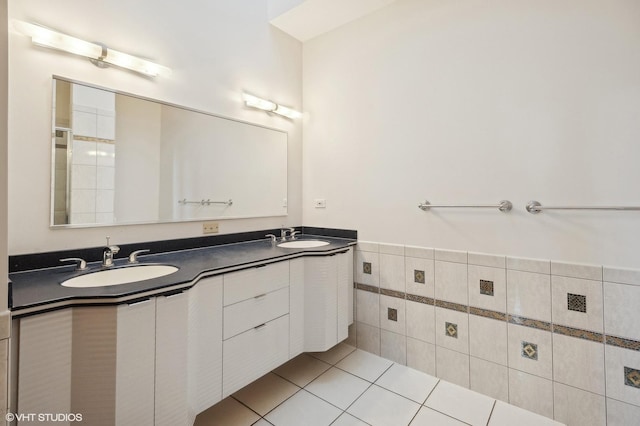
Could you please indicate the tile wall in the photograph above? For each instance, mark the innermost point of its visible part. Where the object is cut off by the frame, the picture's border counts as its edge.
(558, 339)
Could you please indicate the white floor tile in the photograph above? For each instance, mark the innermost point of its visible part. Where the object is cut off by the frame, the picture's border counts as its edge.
(347, 419)
(302, 369)
(304, 409)
(266, 393)
(463, 404)
(408, 382)
(338, 387)
(380, 407)
(335, 354)
(227, 412)
(364, 365)
(508, 415)
(428, 417)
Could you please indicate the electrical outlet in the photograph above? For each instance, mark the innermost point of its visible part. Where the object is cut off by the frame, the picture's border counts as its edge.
(320, 203)
(210, 228)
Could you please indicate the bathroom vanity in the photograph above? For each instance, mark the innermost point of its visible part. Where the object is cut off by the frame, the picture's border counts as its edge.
(163, 350)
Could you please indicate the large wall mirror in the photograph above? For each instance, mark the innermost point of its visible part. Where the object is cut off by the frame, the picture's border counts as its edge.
(121, 159)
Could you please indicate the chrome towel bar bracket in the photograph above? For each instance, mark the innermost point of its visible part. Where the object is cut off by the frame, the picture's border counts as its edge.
(534, 207)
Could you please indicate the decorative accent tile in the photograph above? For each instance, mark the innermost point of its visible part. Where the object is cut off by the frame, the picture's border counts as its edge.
(579, 333)
(369, 288)
(392, 293)
(418, 276)
(632, 377)
(530, 350)
(420, 299)
(527, 322)
(576, 302)
(451, 330)
(486, 287)
(634, 345)
(392, 314)
(453, 306)
(366, 268)
(500, 316)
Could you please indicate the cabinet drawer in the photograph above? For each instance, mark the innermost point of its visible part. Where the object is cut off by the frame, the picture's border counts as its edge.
(254, 353)
(249, 313)
(242, 285)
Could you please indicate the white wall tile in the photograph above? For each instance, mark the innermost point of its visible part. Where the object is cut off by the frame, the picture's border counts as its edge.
(497, 302)
(106, 127)
(452, 366)
(531, 392)
(621, 275)
(393, 347)
(108, 217)
(421, 356)
(395, 249)
(451, 255)
(84, 152)
(83, 177)
(419, 252)
(368, 308)
(616, 360)
(578, 363)
(621, 313)
(83, 201)
(592, 319)
(621, 414)
(105, 177)
(106, 154)
(577, 407)
(104, 200)
(461, 320)
(80, 218)
(399, 325)
(489, 378)
(421, 320)
(543, 365)
(529, 295)
(368, 246)
(488, 339)
(577, 270)
(368, 338)
(427, 266)
(451, 282)
(367, 257)
(84, 123)
(392, 272)
(538, 266)
(483, 259)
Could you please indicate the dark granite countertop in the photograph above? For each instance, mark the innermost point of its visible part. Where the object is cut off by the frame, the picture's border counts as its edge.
(40, 290)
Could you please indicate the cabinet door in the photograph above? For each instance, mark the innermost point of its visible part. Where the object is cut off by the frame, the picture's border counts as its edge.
(205, 344)
(135, 354)
(45, 387)
(345, 293)
(320, 303)
(171, 406)
(296, 307)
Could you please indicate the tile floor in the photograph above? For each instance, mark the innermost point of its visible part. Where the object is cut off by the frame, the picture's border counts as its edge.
(349, 387)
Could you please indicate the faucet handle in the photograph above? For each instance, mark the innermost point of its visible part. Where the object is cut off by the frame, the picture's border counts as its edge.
(81, 264)
(273, 237)
(113, 249)
(133, 257)
(293, 234)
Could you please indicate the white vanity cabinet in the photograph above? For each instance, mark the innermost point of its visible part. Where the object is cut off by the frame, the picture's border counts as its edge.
(256, 324)
(328, 298)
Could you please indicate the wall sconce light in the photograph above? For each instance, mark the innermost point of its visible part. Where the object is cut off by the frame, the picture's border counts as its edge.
(263, 104)
(97, 53)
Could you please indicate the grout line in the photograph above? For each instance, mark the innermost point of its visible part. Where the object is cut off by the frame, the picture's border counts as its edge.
(493, 407)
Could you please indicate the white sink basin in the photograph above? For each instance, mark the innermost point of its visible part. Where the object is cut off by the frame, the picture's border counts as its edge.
(303, 244)
(118, 276)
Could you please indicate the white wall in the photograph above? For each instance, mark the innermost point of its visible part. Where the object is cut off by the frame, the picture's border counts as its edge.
(216, 49)
(473, 102)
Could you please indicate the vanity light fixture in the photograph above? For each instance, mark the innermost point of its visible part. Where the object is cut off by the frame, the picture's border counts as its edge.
(98, 54)
(263, 104)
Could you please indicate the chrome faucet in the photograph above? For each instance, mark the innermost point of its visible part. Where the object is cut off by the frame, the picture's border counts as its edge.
(107, 255)
(283, 233)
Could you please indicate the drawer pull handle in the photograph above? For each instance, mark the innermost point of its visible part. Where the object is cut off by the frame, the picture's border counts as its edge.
(259, 327)
(260, 296)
